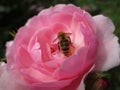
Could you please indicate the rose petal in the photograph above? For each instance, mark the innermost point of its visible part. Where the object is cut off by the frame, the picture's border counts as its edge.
(8, 45)
(82, 85)
(7, 82)
(108, 55)
(38, 22)
(79, 61)
(56, 85)
(34, 76)
(2, 66)
(25, 62)
(50, 10)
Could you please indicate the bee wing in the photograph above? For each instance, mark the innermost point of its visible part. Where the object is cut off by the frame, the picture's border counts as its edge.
(68, 34)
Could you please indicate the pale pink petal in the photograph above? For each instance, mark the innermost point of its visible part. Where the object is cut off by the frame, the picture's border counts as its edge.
(50, 10)
(65, 18)
(77, 37)
(38, 22)
(7, 82)
(108, 55)
(35, 76)
(56, 85)
(70, 9)
(8, 45)
(2, 67)
(25, 62)
(82, 86)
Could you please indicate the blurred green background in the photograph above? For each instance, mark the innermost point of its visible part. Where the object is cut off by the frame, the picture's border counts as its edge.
(14, 14)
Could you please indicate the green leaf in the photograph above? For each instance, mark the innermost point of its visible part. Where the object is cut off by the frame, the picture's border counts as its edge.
(12, 33)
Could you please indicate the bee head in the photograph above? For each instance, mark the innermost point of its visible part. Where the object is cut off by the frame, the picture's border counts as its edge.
(61, 35)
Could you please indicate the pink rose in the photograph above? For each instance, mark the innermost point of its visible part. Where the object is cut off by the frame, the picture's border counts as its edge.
(36, 61)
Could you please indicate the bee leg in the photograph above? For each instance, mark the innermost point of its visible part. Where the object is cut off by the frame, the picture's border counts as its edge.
(58, 46)
(72, 49)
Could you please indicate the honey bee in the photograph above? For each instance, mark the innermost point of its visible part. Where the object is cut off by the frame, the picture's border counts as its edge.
(64, 43)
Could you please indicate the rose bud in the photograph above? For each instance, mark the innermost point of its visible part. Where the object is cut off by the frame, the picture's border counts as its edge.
(102, 84)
